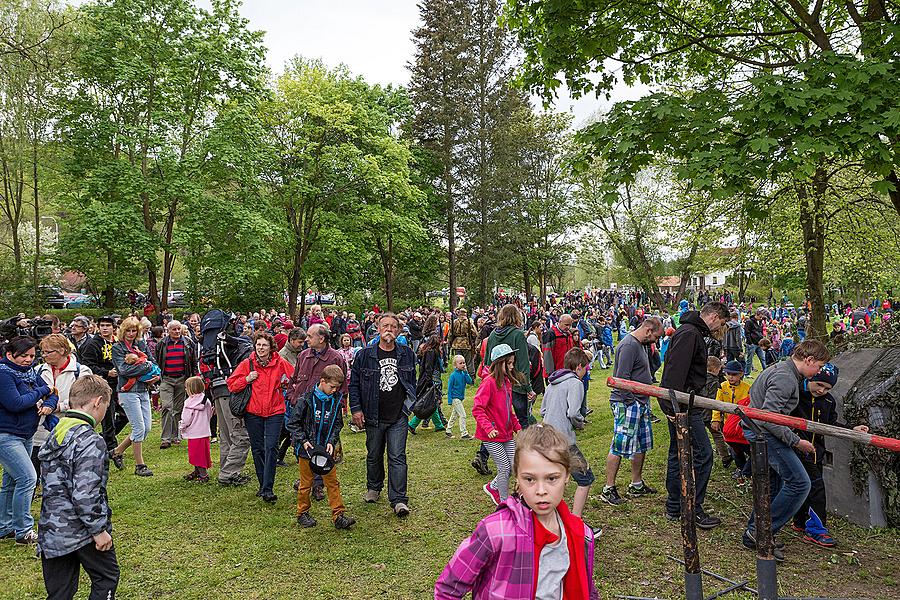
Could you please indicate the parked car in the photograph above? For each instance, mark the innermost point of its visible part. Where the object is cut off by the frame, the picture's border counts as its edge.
(79, 301)
(53, 297)
(176, 299)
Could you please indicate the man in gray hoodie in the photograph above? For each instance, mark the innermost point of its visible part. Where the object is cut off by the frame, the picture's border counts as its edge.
(561, 408)
(777, 389)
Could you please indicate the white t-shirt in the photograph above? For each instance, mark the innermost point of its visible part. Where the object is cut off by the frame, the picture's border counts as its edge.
(552, 567)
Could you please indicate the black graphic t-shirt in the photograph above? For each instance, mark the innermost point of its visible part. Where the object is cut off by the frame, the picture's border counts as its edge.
(390, 393)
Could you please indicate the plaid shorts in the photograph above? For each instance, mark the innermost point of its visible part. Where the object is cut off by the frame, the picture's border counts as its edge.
(632, 432)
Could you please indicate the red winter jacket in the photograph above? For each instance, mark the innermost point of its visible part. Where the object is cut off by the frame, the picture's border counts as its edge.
(267, 396)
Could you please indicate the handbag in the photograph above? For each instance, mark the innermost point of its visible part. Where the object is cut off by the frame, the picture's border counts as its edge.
(427, 402)
(238, 401)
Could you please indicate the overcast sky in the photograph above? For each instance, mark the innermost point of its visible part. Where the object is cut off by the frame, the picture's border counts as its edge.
(372, 37)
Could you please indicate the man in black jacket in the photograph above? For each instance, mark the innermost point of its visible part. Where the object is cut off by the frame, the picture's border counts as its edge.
(685, 371)
(753, 332)
(96, 354)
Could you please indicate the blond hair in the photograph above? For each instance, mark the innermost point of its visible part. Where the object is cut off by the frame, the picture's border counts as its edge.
(58, 342)
(127, 324)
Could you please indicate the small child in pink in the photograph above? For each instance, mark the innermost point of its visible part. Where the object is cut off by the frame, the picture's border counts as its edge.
(194, 428)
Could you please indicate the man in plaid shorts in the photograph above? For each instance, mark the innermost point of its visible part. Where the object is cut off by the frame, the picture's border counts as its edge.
(632, 431)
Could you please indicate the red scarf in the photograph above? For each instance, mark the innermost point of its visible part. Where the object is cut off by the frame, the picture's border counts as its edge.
(575, 580)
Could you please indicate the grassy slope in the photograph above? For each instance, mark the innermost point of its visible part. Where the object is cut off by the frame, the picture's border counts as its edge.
(182, 540)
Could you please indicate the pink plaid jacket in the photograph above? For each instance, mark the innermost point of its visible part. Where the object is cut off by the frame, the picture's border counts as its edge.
(497, 561)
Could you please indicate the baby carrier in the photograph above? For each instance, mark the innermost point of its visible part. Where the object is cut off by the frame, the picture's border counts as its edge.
(220, 352)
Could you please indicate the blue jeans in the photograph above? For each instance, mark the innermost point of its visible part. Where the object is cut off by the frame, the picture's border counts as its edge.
(703, 462)
(790, 482)
(137, 408)
(264, 433)
(19, 479)
(751, 350)
(393, 438)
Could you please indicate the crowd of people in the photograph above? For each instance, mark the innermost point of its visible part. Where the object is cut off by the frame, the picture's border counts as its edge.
(302, 380)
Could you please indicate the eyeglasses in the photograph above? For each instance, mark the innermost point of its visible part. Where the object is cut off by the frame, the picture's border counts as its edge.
(51, 351)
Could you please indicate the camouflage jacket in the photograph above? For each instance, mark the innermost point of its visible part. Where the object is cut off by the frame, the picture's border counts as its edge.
(74, 471)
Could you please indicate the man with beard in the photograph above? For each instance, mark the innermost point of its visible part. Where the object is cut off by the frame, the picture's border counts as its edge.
(382, 392)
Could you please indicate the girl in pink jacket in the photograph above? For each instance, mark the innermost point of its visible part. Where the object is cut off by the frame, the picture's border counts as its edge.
(194, 428)
(531, 547)
(495, 419)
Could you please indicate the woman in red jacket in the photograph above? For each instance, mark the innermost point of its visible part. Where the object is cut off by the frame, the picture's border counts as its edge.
(269, 374)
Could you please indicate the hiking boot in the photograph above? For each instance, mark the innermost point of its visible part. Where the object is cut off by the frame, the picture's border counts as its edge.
(705, 521)
(638, 490)
(306, 521)
(749, 542)
(165, 445)
(465, 437)
(726, 461)
(118, 460)
(143, 471)
(480, 465)
(318, 493)
(611, 496)
(343, 521)
(673, 516)
(270, 498)
(448, 434)
(10, 535)
(494, 494)
(28, 539)
(241, 479)
(371, 496)
(401, 510)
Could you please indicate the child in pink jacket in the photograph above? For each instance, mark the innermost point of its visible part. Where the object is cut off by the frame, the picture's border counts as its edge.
(194, 428)
(495, 419)
(531, 546)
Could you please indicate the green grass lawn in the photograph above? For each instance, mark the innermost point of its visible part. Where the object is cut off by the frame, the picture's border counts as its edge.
(183, 540)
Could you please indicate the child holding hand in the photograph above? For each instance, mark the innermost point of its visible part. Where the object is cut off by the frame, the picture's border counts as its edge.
(456, 394)
(531, 546)
(194, 427)
(496, 422)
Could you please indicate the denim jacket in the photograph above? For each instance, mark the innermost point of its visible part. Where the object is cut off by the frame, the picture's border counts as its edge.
(365, 380)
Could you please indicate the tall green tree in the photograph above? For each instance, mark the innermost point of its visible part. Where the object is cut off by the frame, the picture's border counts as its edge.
(151, 75)
(35, 39)
(439, 92)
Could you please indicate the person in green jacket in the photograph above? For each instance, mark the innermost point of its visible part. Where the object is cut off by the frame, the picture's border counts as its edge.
(509, 331)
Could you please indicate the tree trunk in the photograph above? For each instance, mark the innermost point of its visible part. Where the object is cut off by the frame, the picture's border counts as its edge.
(451, 221)
(387, 263)
(526, 280)
(109, 294)
(293, 287)
(302, 299)
(894, 193)
(812, 222)
(37, 222)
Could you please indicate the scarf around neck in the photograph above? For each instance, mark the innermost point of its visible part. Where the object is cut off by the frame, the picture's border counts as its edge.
(260, 361)
(25, 374)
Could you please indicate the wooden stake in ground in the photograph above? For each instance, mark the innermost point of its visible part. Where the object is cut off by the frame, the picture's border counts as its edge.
(758, 414)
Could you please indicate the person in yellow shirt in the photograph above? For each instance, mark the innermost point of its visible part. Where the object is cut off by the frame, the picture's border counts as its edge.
(733, 389)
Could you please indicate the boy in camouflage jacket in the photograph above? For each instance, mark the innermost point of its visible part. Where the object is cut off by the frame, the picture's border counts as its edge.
(75, 523)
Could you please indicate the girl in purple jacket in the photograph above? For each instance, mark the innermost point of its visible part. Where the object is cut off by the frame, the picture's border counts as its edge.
(532, 547)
